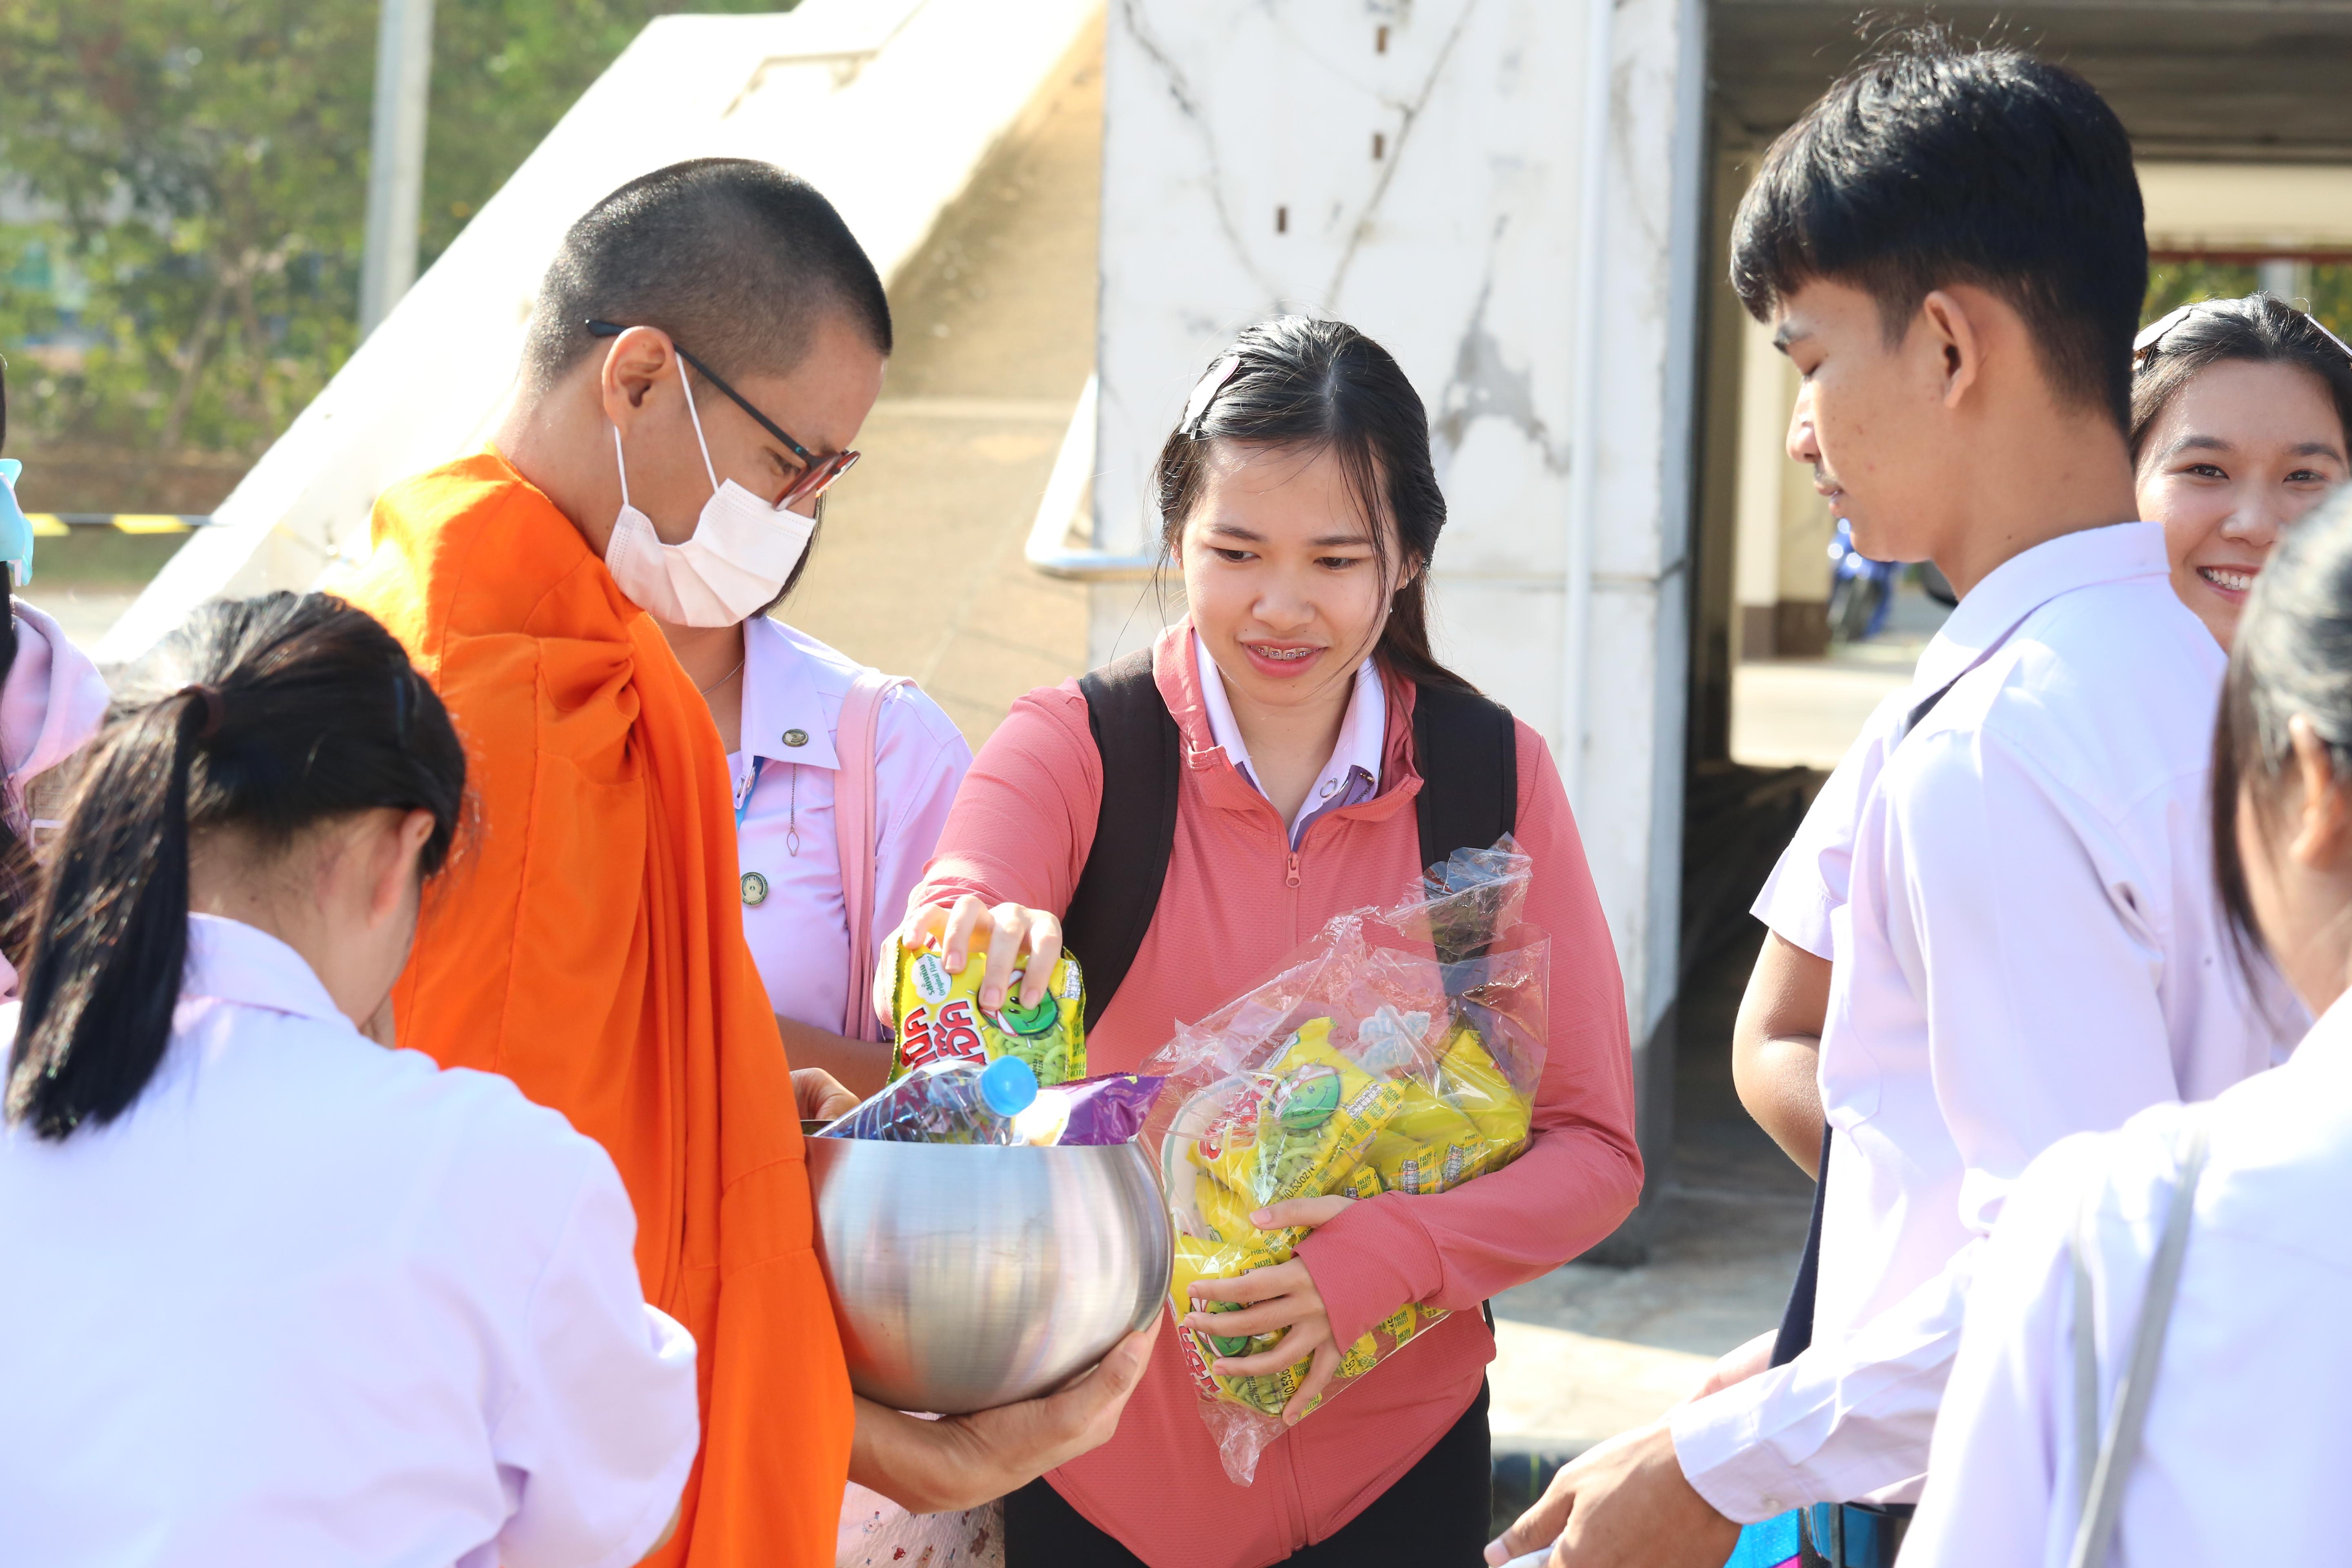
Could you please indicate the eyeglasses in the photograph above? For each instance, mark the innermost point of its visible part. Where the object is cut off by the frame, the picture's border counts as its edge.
(817, 474)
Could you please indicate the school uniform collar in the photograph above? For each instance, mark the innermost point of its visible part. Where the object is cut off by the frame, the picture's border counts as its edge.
(2031, 579)
(1177, 675)
(230, 961)
(1362, 731)
(781, 700)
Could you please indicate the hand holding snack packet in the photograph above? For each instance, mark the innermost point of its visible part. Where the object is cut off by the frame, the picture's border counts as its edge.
(937, 1015)
(1395, 1059)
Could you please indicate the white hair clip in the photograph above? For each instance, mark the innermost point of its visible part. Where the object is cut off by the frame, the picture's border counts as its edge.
(1196, 407)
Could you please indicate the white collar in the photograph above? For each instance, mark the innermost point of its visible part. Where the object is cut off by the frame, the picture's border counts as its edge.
(2031, 579)
(234, 961)
(781, 700)
(1363, 733)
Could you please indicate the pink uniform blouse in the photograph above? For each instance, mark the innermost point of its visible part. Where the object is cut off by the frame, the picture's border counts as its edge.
(1237, 898)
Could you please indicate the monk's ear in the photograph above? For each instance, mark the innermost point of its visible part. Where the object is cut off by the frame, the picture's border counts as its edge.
(634, 363)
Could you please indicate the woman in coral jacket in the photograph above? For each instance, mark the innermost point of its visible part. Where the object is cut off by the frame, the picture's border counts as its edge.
(1298, 497)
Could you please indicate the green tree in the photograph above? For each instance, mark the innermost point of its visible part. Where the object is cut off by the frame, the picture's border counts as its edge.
(197, 173)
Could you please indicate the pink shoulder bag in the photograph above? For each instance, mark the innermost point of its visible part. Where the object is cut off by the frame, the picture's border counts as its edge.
(855, 825)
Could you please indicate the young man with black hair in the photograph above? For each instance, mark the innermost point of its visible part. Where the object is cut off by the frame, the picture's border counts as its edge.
(704, 349)
(1950, 247)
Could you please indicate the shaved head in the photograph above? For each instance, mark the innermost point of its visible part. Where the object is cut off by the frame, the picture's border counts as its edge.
(734, 258)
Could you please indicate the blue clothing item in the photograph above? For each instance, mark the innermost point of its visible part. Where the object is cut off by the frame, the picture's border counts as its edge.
(1767, 1545)
(16, 529)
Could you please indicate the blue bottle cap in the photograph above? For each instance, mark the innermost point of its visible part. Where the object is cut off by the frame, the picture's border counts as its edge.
(1008, 1085)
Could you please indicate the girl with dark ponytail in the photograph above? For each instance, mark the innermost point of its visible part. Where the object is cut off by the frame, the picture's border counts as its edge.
(1290, 750)
(256, 1233)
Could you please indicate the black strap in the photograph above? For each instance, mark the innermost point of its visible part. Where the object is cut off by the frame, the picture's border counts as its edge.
(1467, 751)
(1135, 825)
(1796, 1335)
(1464, 747)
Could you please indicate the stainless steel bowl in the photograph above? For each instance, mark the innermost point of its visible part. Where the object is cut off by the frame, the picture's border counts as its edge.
(967, 1278)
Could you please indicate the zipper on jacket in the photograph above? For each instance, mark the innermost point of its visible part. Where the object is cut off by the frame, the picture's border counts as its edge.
(1292, 880)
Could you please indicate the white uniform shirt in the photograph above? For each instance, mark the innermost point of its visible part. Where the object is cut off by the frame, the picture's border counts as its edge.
(2042, 834)
(1350, 776)
(309, 1301)
(2246, 1439)
(799, 931)
(1809, 882)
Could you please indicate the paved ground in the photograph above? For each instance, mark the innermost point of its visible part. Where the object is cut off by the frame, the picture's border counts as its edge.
(1806, 710)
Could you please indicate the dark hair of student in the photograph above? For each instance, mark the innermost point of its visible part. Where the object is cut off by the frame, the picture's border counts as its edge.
(1297, 384)
(19, 876)
(2256, 329)
(734, 258)
(268, 715)
(2292, 654)
(1931, 165)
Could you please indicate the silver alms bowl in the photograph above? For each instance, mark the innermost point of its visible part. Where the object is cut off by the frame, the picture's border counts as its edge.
(967, 1277)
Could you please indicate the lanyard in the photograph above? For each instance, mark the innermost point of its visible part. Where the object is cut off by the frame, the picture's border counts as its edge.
(743, 800)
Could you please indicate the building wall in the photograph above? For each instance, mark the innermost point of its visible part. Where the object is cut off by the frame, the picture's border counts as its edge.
(1421, 170)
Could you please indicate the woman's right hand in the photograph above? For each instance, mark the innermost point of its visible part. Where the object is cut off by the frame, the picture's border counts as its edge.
(1012, 936)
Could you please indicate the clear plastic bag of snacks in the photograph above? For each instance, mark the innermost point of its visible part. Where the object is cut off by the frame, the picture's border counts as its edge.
(1398, 1052)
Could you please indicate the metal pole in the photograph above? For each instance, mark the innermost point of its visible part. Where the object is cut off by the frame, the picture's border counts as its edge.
(404, 79)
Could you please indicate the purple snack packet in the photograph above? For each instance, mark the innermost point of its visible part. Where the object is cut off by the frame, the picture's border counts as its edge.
(1107, 1109)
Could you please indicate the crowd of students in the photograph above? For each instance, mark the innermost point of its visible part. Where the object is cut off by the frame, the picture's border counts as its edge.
(544, 796)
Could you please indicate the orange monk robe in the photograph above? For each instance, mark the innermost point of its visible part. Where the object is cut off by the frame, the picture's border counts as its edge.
(588, 944)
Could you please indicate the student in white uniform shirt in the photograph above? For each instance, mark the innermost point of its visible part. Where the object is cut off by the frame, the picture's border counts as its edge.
(842, 781)
(277, 1293)
(2028, 944)
(2241, 422)
(2167, 1304)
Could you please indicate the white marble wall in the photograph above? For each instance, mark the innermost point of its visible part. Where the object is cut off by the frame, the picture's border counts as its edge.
(1240, 179)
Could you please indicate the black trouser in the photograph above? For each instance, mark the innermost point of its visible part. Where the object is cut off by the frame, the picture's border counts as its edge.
(1436, 1515)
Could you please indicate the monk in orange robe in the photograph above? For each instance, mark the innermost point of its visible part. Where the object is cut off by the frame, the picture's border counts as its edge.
(589, 943)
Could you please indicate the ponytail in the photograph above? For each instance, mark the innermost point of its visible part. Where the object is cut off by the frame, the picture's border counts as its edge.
(115, 932)
(268, 715)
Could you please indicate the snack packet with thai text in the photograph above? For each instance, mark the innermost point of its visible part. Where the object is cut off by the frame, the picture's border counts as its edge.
(937, 1017)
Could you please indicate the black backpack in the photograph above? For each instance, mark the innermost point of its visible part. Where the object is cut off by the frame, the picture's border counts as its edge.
(1464, 744)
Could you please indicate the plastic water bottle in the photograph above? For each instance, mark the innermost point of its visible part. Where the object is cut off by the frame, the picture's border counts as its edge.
(950, 1102)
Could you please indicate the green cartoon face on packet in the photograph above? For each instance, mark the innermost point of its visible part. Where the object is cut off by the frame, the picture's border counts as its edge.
(1308, 1099)
(1015, 1019)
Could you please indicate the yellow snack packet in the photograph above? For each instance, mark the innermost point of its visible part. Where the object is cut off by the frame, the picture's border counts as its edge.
(1478, 1088)
(1302, 1125)
(938, 1016)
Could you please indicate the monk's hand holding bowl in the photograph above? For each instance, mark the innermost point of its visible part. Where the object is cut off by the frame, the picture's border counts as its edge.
(820, 1095)
(963, 1461)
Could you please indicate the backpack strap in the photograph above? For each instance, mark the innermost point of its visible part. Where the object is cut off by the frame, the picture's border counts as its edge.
(854, 826)
(1467, 750)
(1135, 825)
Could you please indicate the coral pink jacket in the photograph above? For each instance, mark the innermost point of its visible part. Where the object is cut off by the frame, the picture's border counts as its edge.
(1235, 901)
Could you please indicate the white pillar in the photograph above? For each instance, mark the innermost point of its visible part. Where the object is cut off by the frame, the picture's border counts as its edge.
(404, 81)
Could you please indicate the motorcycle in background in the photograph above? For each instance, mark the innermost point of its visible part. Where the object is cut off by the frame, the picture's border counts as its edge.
(1862, 591)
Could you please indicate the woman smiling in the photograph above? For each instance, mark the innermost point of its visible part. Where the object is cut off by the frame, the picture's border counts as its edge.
(2240, 410)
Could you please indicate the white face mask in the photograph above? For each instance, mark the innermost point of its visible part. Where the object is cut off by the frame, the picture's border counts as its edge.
(735, 565)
